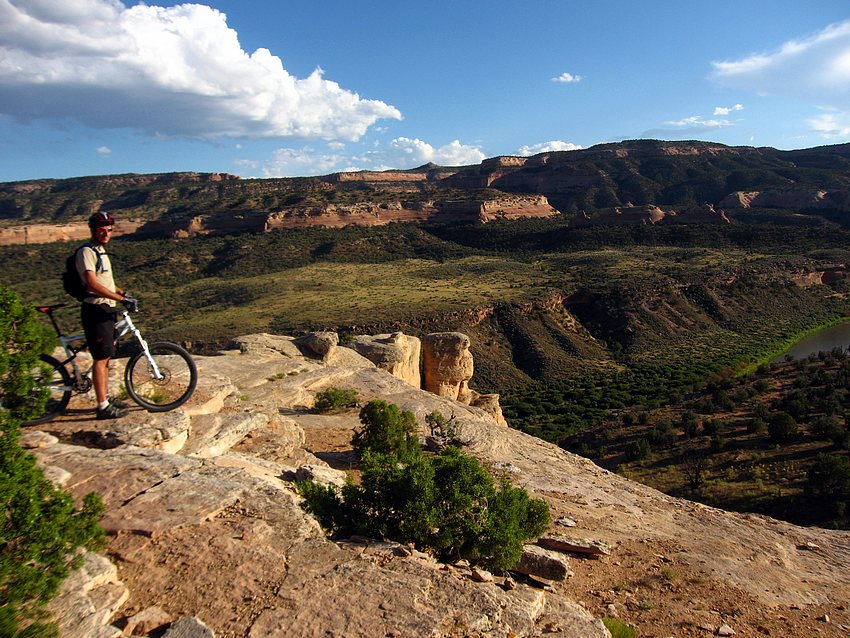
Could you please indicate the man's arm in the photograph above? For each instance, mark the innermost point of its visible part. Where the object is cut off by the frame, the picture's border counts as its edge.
(98, 290)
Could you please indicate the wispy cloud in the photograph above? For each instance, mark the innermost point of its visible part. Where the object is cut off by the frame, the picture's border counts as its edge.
(547, 147)
(567, 78)
(104, 151)
(816, 69)
(171, 71)
(831, 125)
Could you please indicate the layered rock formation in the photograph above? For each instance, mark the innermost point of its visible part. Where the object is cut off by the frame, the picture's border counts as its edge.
(650, 214)
(212, 530)
(328, 216)
(793, 200)
(448, 365)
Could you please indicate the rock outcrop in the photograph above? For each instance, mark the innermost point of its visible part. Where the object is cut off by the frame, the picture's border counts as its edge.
(214, 531)
(447, 365)
(397, 353)
(790, 199)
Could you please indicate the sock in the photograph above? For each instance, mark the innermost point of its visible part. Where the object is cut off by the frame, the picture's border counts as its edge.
(103, 405)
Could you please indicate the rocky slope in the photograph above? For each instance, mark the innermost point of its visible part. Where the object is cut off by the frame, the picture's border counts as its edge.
(204, 523)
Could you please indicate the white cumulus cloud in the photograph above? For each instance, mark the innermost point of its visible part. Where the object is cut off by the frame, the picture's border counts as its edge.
(409, 153)
(401, 153)
(816, 68)
(172, 71)
(105, 151)
(300, 162)
(567, 78)
(547, 147)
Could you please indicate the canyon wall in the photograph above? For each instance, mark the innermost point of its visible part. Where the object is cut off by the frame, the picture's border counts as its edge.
(328, 216)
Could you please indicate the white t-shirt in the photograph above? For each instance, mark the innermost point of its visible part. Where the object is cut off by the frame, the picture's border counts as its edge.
(87, 260)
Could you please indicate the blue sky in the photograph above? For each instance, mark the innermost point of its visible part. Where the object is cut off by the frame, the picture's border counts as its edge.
(266, 88)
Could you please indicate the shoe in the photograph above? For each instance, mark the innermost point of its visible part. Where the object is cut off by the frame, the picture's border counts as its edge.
(111, 411)
(118, 403)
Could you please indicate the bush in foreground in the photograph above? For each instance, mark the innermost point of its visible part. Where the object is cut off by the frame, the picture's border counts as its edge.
(41, 529)
(446, 503)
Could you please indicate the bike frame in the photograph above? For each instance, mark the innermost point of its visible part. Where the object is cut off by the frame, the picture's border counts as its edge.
(82, 380)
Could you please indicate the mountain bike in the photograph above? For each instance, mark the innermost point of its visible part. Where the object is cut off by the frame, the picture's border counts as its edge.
(159, 376)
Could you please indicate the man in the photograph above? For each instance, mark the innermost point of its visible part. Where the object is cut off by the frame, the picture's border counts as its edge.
(98, 311)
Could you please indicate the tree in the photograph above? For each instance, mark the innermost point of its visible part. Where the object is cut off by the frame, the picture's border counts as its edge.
(386, 429)
(828, 480)
(782, 427)
(694, 467)
(41, 528)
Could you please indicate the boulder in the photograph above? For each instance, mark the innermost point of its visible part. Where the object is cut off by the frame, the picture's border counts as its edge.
(543, 563)
(397, 353)
(264, 343)
(87, 600)
(189, 627)
(321, 344)
(574, 545)
(214, 434)
(447, 365)
(490, 404)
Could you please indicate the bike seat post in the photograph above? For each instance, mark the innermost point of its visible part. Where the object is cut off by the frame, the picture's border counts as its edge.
(54, 322)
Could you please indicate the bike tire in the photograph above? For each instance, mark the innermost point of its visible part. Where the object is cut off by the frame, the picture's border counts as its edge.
(180, 376)
(57, 378)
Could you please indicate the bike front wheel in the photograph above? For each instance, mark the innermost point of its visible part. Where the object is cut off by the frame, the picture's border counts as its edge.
(51, 378)
(162, 380)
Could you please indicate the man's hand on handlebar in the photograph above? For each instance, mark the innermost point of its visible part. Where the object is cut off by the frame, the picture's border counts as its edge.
(131, 304)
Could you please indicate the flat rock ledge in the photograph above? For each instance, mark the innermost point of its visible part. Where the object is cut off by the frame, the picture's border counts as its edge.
(204, 495)
(205, 523)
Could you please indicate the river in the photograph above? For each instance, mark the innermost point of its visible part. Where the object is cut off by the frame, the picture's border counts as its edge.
(826, 339)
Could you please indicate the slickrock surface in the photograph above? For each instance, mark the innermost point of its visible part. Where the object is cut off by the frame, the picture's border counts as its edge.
(212, 535)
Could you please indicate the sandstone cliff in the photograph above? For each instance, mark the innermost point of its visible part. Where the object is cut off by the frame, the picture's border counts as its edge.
(203, 522)
(327, 216)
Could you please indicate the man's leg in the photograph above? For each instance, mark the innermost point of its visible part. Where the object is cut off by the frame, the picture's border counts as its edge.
(99, 326)
(100, 377)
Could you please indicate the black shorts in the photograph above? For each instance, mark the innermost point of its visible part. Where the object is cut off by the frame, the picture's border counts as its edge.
(99, 326)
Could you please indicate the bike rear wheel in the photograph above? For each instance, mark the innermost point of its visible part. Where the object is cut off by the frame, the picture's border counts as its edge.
(53, 378)
(176, 383)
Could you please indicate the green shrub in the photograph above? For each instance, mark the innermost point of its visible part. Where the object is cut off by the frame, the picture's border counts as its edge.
(618, 628)
(447, 503)
(332, 398)
(782, 427)
(638, 450)
(756, 425)
(23, 338)
(41, 529)
(386, 429)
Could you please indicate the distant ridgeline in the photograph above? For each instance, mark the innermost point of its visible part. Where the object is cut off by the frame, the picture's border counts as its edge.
(632, 182)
